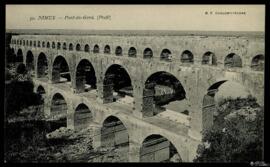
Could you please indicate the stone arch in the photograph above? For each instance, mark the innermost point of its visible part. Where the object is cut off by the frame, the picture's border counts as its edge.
(41, 90)
(53, 45)
(60, 71)
(58, 45)
(187, 57)
(70, 46)
(162, 92)
(59, 109)
(43, 44)
(117, 85)
(20, 42)
(48, 44)
(118, 51)
(232, 60)
(19, 57)
(87, 48)
(78, 47)
(42, 65)
(157, 148)
(209, 103)
(27, 42)
(85, 76)
(30, 61)
(147, 53)
(209, 58)
(30, 43)
(96, 49)
(113, 132)
(132, 52)
(257, 63)
(166, 55)
(64, 46)
(38, 45)
(107, 49)
(82, 116)
(23, 42)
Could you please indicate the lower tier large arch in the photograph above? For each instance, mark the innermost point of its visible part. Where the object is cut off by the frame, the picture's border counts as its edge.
(156, 148)
(113, 132)
(82, 117)
(59, 108)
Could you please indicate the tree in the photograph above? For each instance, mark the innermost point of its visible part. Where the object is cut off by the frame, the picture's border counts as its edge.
(238, 137)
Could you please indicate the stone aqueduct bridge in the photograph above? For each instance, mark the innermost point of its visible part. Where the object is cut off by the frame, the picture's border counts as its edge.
(203, 67)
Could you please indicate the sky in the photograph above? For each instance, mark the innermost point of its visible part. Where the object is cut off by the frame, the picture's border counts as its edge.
(138, 17)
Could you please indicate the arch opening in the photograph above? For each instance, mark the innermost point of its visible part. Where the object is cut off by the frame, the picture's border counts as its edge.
(132, 52)
(53, 45)
(64, 46)
(118, 51)
(60, 71)
(115, 134)
(232, 60)
(107, 49)
(166, 55)
(187, 57)
(30, 43)
(86, 48)
(30, 62)
(43, 44)
(217, 93)
(48, 44)
(58, 45)
(117, 86)
(78, 47)
(257, 63)
(163, 92)
(96, 49)
(41, 90)
(83, 117)
(70, 46)
(209, 58)
(38, 45)
(147, 53)
(85, 77)
(42, 66)
(156, 148)
(59, 110)
(19, 57)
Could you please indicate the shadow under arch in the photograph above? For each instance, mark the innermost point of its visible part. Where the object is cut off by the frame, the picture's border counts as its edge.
(117, 85)
(59, 109)
(30, 61)
(42, 66)
(113, 132)
(85, 76)
(232, 60)
(82, 116)
(19, 57)
(257, 63)
(60, 70)
(160, 89)
(157, 148)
